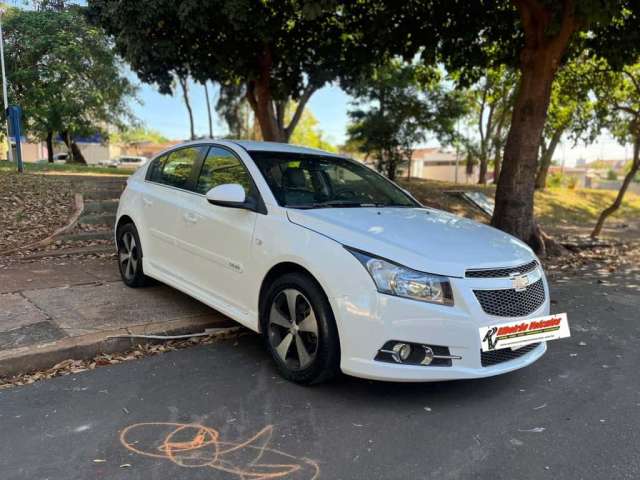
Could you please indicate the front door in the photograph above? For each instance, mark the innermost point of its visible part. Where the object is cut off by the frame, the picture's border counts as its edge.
(219, 238)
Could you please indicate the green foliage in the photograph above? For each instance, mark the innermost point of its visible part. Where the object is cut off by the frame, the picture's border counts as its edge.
(470, 36)
(309, 134)
(611, 175)
(271, 51)
(556, 180)
(396, 108)
(572, 106)
(490, 107)
(64, 73)
(132, 135)
(618, 102)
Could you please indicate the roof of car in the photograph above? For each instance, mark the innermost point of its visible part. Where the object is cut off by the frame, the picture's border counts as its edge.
(253, 146)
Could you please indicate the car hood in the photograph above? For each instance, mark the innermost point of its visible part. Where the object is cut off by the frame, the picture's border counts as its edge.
(424, 239)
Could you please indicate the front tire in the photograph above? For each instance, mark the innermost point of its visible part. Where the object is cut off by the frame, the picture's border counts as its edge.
(130, 257)
(300, 330)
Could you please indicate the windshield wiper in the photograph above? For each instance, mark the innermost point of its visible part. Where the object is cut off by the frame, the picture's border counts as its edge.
(331, 204)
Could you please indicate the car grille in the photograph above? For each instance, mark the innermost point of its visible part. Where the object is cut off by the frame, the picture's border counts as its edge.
(501, 272)
(510, 302)
(504, 355)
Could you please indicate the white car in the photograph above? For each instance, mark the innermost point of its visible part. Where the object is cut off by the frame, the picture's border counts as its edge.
(129, 161)
(337, 267)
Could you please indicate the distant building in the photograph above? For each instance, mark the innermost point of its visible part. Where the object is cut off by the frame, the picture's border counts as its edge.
(616, 165)
(95, 152)
(440, 164)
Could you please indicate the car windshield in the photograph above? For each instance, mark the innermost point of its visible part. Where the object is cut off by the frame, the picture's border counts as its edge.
(317, 181)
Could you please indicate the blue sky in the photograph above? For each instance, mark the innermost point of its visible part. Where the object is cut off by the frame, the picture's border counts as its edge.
(168, 114)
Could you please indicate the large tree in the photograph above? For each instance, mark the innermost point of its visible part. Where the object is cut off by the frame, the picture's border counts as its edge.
(274, 52)
(491, 102)
(395, 109)
(571, 111)
(618, 110)
(535, 36)
(65, 75)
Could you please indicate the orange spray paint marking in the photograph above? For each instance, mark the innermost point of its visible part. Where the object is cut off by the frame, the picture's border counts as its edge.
(198, 446)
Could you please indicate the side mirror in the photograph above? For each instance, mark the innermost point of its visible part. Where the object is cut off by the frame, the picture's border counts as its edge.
(229, 195)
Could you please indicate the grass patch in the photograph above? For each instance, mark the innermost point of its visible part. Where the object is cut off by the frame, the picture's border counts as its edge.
(579, 207)
(62, 168)
(582, 206)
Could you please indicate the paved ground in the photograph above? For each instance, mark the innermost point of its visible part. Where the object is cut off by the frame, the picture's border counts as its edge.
(60, 299)
(575, 414)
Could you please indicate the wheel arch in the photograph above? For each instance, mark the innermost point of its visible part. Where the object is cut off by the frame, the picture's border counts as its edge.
(123, 220)
(277, 271)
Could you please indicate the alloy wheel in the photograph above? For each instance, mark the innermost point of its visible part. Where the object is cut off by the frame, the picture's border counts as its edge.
(128, 255)
(293, 329)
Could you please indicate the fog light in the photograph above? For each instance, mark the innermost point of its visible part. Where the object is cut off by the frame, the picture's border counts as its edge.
(401, 352)
(428, 355)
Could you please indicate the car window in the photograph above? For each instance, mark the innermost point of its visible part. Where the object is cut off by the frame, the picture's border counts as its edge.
(156, 167)
(220, 167)
(317, 181)
(177, 169)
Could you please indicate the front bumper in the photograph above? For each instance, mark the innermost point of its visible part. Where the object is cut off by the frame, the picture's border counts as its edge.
(367, 321)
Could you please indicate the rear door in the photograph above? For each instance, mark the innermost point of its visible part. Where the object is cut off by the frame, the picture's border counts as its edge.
(169, 186)
(218, 239)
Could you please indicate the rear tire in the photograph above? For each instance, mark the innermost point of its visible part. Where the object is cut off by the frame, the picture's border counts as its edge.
(130, 257)
(304, 345)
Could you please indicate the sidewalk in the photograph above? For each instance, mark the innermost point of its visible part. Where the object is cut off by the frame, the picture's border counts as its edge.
(61, 308)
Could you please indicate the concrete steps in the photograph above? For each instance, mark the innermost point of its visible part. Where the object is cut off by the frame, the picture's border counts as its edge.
(87, 236)
(108, 219)
(100, 206)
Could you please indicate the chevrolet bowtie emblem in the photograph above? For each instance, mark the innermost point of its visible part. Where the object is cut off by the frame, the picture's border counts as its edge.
(519, 282)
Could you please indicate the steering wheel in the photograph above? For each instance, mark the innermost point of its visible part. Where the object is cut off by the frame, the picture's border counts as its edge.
(345, 195)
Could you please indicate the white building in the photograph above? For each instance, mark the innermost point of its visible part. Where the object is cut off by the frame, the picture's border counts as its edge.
(440, 164)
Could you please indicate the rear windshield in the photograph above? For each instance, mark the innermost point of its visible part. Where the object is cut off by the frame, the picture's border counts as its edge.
(318, 181)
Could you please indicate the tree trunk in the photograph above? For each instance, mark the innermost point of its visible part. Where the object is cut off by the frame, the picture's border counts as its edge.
(546, 156)
(75, 155)
(78, 157)
(267, 111)
(185, 95)
(206, 96)
(482, 176)
(497, 166)
(539, 62)
(50, 146)
(635, 167)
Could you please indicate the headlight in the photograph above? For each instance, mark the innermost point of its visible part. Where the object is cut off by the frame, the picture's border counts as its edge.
(400, 281)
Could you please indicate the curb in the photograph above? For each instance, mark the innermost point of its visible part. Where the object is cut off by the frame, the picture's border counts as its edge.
(42, 356)
(95, 249)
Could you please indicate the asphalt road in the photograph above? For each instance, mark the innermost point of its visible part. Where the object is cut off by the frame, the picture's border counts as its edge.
(221, 412)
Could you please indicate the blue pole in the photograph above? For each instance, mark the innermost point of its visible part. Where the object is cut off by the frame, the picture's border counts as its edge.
(14, 114)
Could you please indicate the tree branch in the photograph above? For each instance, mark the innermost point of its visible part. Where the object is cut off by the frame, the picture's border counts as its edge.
(280, 113)
(634, 80)
(306, 94)
(568, 26)
(531, 13)
(250, 95)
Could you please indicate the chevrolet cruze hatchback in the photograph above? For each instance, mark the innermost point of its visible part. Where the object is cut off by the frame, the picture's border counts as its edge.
(337, 267)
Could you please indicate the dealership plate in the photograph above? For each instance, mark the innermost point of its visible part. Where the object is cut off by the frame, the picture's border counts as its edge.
(515, 335)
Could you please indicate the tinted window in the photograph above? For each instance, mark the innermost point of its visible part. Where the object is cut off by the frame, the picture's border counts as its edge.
(315, 181)
(176, 170)
(220, 167)
(156, 167)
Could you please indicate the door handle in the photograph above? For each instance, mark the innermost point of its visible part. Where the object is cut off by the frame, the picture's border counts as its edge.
(190, 217)
(147, 202)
